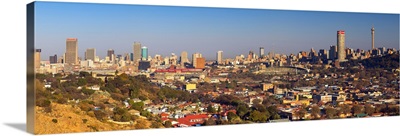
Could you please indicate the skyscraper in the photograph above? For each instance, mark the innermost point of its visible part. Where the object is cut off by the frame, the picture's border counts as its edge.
(341, 45)
(90, 54)
(131, 56)
(194, 58)
(200, 62)
(53, 59)
(184, 57)
(144, 53)
(333, 52)
(373, 38)
(71, 54)
(110, 53)
(219, 57)
(261, 52)
(137, 51)
(37, 58)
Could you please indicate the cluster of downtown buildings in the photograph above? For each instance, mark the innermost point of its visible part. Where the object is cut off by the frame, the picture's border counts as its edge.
(140, 61)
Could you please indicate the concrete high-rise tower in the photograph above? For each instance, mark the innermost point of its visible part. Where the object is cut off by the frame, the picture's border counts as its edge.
(194, 58)
(373, 38)
(261, 51)
(53, 59)
(71, 54)
(219, 57)
(145, 53)
(341, 45)
(184, 57)
(90, 54)
(37, 58)
(110, 53)
(137, 51)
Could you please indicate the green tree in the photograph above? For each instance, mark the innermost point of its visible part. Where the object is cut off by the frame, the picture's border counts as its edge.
(82, 82)
(315, 112)
(257, 116)
(168, 124)
(137, 105)
(369, 109)
(356, 109)
(210, 109)
(87, 91)
(301, 113)
(100, 115)
(242, 110)
(209, 122)
(330, 112)
(231, 116)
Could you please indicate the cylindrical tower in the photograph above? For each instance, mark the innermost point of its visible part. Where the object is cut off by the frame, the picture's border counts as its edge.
(341, 45)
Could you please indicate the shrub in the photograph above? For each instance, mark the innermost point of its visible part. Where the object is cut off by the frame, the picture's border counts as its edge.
(54, 120)
(43, 103)
(91, 114)
(84, 120)
(62, 100)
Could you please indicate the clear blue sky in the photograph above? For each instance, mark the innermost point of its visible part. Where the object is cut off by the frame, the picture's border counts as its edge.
(167, 29)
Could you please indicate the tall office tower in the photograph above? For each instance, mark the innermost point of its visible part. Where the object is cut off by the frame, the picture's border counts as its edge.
(144, 53)
(261, 52)
(127, 57)
(137, 51)
(61, 59)
(53, 59)
(194, 58)
(37, 58)
(323, 54)
(184, 57)
(219, 57)
(373, 38)
(131, 56)
(312, 53)
(71, 54)
(200, 62)
(333, 52)
(110, 52)
(90, 54)
(251, 55)
(341, 46)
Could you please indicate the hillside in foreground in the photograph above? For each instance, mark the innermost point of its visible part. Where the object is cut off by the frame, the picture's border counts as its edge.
(71, 119)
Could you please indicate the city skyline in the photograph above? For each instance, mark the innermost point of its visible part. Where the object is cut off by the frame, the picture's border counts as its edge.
(158, 31)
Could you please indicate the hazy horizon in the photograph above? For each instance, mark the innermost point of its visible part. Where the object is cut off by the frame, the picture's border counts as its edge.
(170, 29)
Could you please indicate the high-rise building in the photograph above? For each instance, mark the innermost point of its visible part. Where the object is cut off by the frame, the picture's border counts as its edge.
(341, 45)
(110, 53)
(90, 54)
(184, 58)
(53, 59)
(145, 53)
(261, 52)
(137, 51)
(61, 59)
(194, 58)
(131, 56)
(37, 58)
(71, 54)
(200, 62)
(373, 38)
(251, 55)
(333, 52)
(219, 57)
